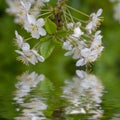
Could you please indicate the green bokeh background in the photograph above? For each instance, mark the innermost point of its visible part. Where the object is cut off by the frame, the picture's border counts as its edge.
(57, 67)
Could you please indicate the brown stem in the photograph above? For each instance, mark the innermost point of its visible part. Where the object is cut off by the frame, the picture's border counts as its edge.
(58, 12)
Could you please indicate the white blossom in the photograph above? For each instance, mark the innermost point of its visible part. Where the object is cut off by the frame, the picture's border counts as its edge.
(19, 8)
(77, 31)
(73, 42)
(117, 11)
(88, 55)
(29, 55)
(94, 21)
(77, 44)
(41, 3)
(97, 40)
(14, 6)
(19, 39)
(26, 54)
(26, 6)
(39, 57)
(35, 27)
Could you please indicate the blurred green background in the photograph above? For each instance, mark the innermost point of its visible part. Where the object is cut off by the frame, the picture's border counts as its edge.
(57, 67)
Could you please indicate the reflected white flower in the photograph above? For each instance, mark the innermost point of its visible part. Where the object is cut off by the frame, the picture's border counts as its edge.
(26, 83)
(35, 104)
(84, 95)
(33, 110)
(116, 116)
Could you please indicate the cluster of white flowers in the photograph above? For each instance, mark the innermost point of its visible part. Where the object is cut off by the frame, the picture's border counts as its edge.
(83, 42)
(26, 83)
(27, 54)
(27, 14)
(21, 8)
(84, 94)
(85, 50)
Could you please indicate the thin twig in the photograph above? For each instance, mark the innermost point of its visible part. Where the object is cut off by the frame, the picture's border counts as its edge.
(44, 14)
(80, 12)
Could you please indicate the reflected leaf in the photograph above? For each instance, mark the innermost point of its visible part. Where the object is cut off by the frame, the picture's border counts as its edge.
(45, 86)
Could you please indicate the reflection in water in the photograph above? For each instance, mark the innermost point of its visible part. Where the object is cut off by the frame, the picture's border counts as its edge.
(31, 108)
(26, 83)
(84, 95)
(116, 116)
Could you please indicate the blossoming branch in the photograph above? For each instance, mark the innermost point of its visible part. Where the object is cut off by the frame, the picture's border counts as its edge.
(52, 25)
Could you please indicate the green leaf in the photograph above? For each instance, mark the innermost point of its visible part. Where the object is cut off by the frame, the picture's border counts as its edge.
(47, 48)
(61, 34)
(43, 39)
(50, 26)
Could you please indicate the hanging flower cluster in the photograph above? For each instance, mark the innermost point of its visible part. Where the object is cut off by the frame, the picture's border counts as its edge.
(56, 25)
(27, 54)
(48, 26)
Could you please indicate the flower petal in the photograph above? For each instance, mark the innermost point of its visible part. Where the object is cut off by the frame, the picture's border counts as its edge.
(81, 62)
(42, 32)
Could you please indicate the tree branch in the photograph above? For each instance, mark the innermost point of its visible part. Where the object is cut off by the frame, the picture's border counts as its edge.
(59, 11)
